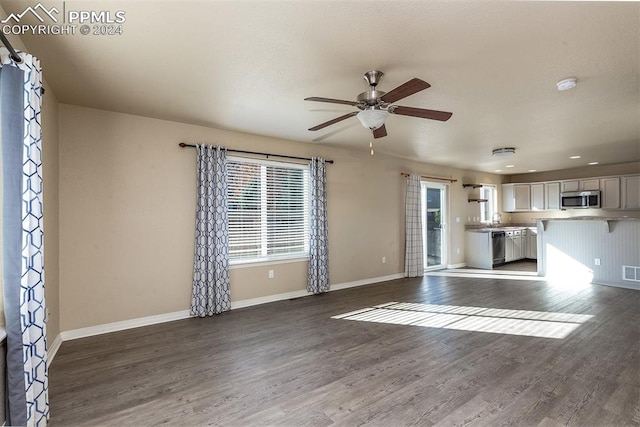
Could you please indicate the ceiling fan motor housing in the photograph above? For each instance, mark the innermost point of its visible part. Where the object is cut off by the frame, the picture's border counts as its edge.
(370, 98)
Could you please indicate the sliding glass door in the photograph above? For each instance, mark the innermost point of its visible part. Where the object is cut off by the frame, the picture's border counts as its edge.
(434, 198)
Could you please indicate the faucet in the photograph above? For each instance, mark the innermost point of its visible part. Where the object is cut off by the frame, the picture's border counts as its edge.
(496, 219)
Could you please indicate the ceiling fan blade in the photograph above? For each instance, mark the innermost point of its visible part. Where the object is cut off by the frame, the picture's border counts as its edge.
(422, 113)
(409, 88)
(333, 101)
(380, 132)
(336, 120)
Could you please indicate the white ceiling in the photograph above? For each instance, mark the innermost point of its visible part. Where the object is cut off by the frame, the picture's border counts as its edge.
(248, 65)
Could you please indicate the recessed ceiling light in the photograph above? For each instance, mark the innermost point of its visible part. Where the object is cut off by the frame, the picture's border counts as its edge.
(498, 170)
(593, 163)
(575, 157)
(506, 151)
(566, 84)
(508, 166)
(531, 170)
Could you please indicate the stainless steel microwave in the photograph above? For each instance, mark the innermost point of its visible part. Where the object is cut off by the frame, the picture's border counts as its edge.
(580, 199)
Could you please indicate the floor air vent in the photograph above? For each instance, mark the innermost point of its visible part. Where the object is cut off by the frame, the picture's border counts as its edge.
(630, 272)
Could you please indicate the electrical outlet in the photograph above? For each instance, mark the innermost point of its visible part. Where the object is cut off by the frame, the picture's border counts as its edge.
(596, 261)
(458, 250)
(384, 259)
(457, 219)
(271, 274)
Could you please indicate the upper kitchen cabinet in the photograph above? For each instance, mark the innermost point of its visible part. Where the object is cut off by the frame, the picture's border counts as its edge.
(516, 197)
(537, 197)
(552, 195)
(610, 198)
(631, 192)
(581, 185)
(616, 192)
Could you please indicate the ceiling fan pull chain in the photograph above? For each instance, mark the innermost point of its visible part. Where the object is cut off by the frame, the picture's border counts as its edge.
(371, 146)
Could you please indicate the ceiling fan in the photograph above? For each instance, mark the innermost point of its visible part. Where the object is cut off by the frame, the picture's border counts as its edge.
(376, 105)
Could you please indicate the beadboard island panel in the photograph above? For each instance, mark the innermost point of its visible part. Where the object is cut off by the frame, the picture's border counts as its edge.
(590, 249)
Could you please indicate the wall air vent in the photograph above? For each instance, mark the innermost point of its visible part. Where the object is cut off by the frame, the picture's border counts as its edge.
(631, 273)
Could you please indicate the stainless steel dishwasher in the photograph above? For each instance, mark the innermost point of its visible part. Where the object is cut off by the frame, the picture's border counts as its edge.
(497, 247)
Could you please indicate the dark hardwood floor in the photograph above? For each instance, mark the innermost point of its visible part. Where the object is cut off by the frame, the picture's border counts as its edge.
(290, 364)
(522, 265)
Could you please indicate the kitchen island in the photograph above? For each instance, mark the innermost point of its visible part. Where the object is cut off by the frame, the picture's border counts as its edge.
(599, 250)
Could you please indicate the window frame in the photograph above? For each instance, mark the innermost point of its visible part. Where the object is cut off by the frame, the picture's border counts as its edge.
(491, 205)
(264, 258)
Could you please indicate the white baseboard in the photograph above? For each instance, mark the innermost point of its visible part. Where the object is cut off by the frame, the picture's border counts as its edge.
(366, 281)
(53, 348)
(125, 324)
(267, 299)
(184, 314)
(459, 265)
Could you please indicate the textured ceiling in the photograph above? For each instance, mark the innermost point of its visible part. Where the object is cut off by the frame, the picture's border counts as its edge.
(247, 66)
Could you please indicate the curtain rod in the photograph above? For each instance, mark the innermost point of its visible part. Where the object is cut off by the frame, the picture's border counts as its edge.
(432, 177)
(183, 145)
(12, 52)
(13, 55)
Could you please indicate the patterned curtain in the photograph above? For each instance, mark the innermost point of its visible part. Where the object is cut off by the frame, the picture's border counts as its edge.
(23, 256)
(413, 255)
(211, 261)
(318, 280)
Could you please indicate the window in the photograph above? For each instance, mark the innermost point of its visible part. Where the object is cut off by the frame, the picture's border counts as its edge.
(490, 207)
(268, 210)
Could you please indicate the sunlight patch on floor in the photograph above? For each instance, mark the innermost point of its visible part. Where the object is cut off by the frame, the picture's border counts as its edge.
(541, 324)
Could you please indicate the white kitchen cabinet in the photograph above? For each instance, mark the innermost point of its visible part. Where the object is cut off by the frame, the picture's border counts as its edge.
(537, 197)
(631, 192)
(552, 195)
(518, 248)
(581, 185)
(514, 249)
(616, 192)
(531, 244)
(610, 196)
(516, 197)
(589, 184)
(570, 186)
(508, 247)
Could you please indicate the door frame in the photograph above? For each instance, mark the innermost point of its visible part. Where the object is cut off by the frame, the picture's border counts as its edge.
(444, 222)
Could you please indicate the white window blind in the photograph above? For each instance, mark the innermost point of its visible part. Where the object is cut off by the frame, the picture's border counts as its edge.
(268, 210)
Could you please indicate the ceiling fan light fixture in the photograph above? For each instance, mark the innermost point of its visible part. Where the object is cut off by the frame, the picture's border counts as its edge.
(372, 119)
(506, 151)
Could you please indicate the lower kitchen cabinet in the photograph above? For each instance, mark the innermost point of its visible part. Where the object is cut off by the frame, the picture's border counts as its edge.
(532, 244)
(518, 245)
(508, 248)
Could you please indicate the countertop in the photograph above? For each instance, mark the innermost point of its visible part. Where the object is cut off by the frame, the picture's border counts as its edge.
(506, 227)
(592, 218)
(608, 221)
